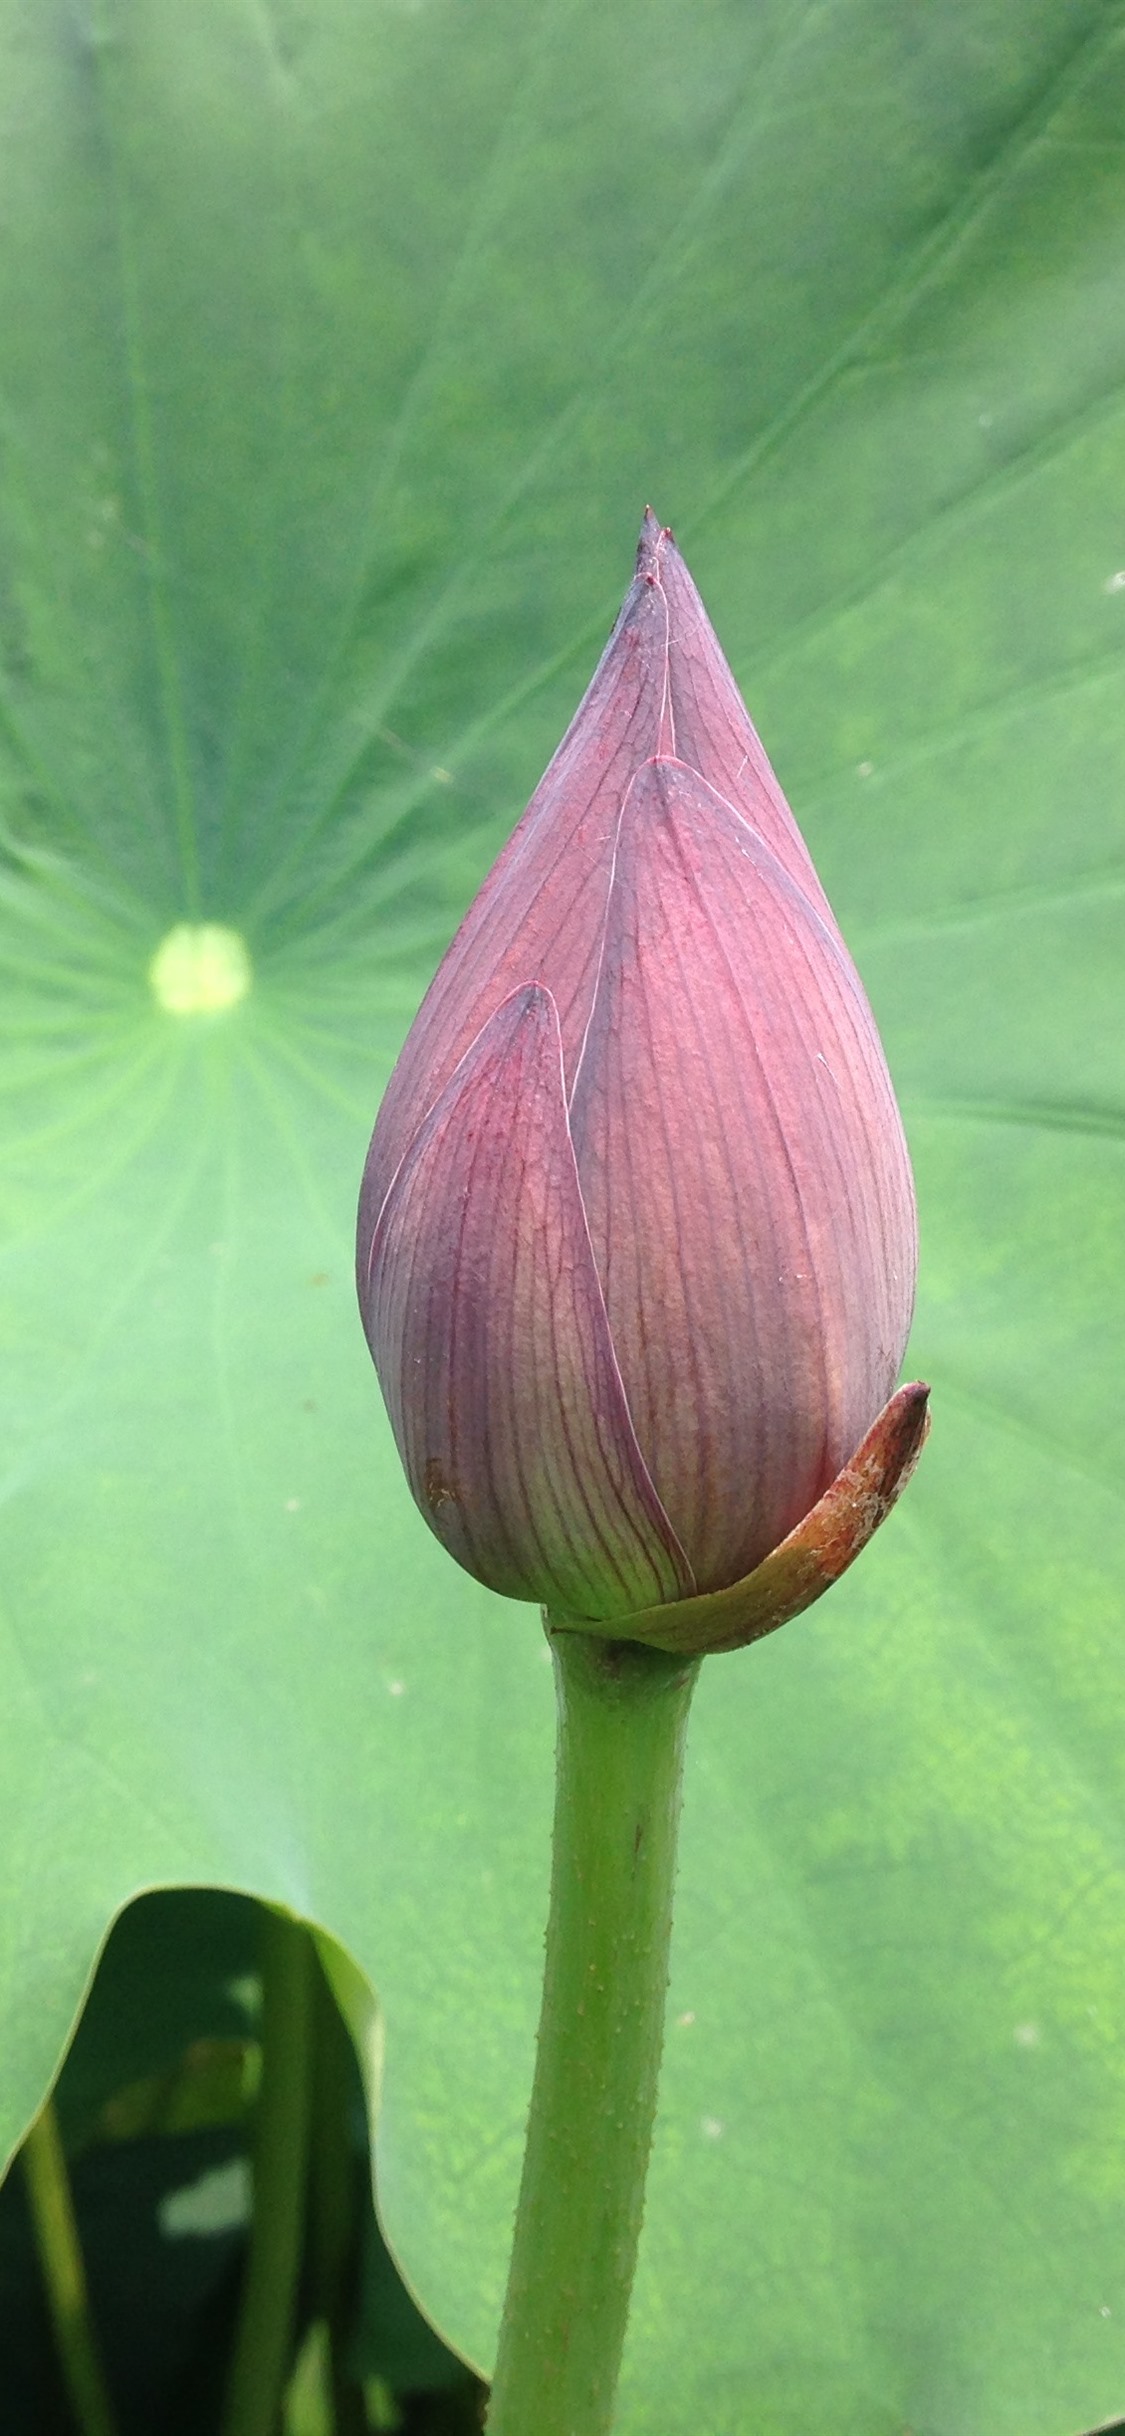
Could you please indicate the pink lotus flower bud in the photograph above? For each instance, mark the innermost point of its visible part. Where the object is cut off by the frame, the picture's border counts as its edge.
(637, 1240)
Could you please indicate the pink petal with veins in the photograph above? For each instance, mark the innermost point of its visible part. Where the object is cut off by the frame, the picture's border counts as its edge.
(486, 1322)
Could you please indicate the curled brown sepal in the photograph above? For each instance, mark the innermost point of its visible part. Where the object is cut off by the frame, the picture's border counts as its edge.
(807, 1562)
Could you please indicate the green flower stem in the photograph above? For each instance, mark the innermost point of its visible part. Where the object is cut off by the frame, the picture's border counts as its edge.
(263, 2340)
(56, 2239)
(622, 1722)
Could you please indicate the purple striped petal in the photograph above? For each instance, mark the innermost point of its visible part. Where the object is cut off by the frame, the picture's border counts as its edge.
(541, 911)
(487, 1325)
(744, 1175)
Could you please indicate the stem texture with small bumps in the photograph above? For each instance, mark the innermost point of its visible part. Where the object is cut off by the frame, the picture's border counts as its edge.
(622, 1722)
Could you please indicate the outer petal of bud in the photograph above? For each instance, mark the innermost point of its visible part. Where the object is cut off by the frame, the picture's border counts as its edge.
(488, 1321)
(744, 1176)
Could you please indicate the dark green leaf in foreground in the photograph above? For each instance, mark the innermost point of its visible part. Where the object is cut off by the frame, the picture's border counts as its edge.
(341, 349)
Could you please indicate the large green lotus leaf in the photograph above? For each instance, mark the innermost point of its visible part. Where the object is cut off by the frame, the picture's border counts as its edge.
(342, 345)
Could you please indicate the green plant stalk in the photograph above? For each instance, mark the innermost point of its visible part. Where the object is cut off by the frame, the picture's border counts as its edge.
(263, 2339)
(60, 2256)
(335, 2183)
(622, 1712)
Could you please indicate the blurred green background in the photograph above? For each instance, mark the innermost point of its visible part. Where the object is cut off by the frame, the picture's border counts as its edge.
(341, 345)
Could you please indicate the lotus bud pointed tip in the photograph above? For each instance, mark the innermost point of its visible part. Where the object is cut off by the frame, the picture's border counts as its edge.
(637, 1274)
(651, 545)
